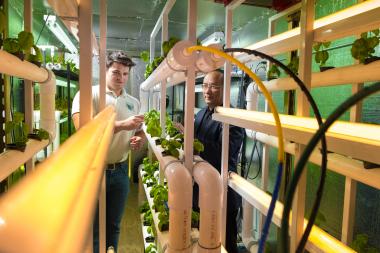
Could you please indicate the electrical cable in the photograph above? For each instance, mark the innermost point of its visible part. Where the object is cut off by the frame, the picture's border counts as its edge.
(259, 83)
(43, 26)
(317, 114)
(363, 93)
(274, 111)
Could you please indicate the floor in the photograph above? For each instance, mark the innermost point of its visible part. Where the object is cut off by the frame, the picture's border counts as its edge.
(131, 240)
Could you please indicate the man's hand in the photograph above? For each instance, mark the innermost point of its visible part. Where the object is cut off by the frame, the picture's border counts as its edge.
(179, 126)
(135, 142)
(129, 124)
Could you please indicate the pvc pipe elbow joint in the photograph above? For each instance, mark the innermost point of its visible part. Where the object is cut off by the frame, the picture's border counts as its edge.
(180, 186)
(210, 186)
(178, 58)
(208, 62)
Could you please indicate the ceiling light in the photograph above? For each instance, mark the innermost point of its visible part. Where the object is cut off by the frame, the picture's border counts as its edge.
(60, 34)
(214, 38)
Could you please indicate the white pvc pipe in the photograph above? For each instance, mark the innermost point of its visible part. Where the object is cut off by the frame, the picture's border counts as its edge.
(13, 66)
(252, 97)
(210, 203)
(12, 159)
(180, 187)
(350, 74)
(207, 62)
(177, 60)
(247, 227)
(47, 105)
(247, 223)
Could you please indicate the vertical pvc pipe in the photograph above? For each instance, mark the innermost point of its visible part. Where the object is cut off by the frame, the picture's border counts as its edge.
(210, 200)
(85, 63)
(180, 185)
(226, 127)
(306, 27)
(102, 105)
(190, 88)
(28, 84)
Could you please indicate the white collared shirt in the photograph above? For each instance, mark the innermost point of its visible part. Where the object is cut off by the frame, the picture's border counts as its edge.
(125, 106)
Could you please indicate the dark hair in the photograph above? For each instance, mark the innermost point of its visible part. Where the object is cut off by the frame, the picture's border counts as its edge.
(120, 57)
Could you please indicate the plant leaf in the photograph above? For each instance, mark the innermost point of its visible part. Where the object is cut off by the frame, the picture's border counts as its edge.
(26, 40)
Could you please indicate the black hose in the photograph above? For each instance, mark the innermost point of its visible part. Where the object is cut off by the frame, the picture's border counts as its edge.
(305, 156)
(317, 114)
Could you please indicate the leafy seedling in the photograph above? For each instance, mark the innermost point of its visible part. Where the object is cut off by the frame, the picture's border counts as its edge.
(163, 224)
(321, 53)
(151, 249)
(363, 48)
(171, 147)
(18, 131)
(273, 72)
(144, 207)
(195, 219)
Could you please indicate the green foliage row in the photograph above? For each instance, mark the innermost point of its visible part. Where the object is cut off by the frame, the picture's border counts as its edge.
(364, 47)
(22, 45)
(172, 144)
(150, 67)
(18, 131)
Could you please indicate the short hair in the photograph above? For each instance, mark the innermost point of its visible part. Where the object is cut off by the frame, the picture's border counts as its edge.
(218, 76)
(119, 57)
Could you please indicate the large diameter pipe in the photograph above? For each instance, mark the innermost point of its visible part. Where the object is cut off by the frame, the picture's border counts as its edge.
(13, 66)
(180, 204)
(178, 59)
(210, 203)
(207, 62)
(344, 75)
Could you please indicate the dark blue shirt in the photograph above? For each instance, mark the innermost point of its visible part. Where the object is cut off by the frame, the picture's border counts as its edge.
(209, 132)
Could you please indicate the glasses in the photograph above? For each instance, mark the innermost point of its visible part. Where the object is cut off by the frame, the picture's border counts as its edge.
(211, 86)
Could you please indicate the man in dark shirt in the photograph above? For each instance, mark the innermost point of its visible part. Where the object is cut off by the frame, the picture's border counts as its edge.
(209, 132)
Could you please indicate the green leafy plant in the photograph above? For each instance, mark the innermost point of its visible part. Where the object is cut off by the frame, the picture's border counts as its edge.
(363, 48)
(360, 244)
(149, 180)
(321, 53)
(195, 219)
(171, 147)
(169, 44)
(159, 200)
(198, 146)
(22, 46)
(293, 64)
(144, 207)
(150, 168)
(148, 218)
(152, 122)
(273, 72)
(39, 134)
(163, 224)
(151, 249)
(144, 55)
(158, 189)
(18, 131)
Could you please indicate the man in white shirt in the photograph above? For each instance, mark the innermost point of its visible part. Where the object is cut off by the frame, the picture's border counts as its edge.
(127, 135)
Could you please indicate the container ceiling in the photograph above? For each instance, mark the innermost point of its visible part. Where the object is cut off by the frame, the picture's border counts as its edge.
(130, 22)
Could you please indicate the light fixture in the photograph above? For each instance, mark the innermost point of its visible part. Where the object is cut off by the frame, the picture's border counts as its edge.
(214, 38)
(51, 22)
